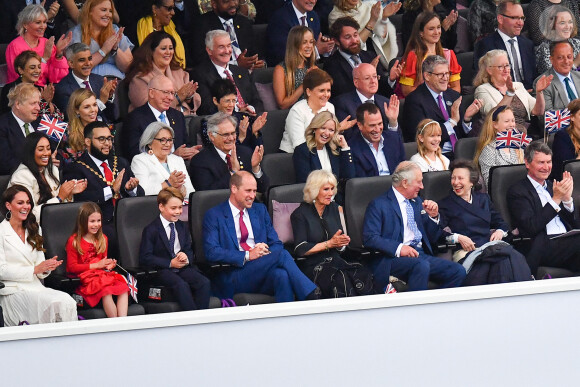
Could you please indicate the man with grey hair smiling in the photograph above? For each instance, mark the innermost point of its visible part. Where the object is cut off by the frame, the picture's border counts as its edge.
(216, 65)
(434, 99)
(214, 165)
(402, 227)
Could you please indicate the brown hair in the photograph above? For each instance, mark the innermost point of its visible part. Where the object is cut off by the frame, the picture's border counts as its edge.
(81, 228)
(167, 193)
(293, 59)
(417, 45)
(34, 238)
(142, 63)
(574, 128)
(315, 78)
(23, 58)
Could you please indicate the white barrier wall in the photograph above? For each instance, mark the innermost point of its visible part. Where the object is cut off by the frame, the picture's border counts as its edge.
(524, 334)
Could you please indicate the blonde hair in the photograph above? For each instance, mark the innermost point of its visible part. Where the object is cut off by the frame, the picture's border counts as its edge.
(343, 5)
(293, 60)
(317, 122)
(76, 137)
(22, 93)
(485, 62)
(488, 134)
(87, 24)
(316, 179)
(428, 127)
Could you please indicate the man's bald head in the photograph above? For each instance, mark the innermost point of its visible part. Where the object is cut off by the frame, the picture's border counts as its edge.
(365, 79)
(161, 92)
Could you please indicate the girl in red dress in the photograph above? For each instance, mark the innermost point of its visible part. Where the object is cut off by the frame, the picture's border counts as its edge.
(86, 251)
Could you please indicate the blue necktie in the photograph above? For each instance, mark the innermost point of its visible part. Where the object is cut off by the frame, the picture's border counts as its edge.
(162, 118)
(172, 239)
(569, 91)
(412, 224)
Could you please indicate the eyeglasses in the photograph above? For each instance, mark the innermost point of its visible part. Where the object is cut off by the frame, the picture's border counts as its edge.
(167, 93)
(503, 67)
(441, 75)
(164, 141)
(226, 135)
(169, 9)
(230, 101)
(521, 18)
(104, 139)
(371, 77)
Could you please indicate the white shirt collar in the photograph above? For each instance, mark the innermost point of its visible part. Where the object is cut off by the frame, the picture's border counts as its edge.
(363, 98)
(221, 70)
(234, 209)
(20, 122)
(79, 80)
(165, 222)
(221, 153)
(299, 14)
(156, 112)
(400, 198)
(536, 184)
(434, 94)
(371, 144)
(97, 161)
(505, 38)
(561, 77)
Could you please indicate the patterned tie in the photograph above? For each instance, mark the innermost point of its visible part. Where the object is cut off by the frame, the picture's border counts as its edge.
(229, 76)
(452, 137)
(26, 129)
(162, 118)
(229, 161)
(235, 45)
(412, 224)
(172, 239)
(517, 69)
(108, 176)
(571, 95)
(87, 85)
(243, 233)
(355, 59)
(303, 21)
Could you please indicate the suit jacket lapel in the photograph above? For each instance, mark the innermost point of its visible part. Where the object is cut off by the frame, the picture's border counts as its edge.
(14, 240)
(256, 225)
(164, 238)
(230, 223)
(474, 208)
(89, 161)
(559, 88)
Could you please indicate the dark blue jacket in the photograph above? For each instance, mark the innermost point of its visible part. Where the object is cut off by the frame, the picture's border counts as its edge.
(306, 161)
(364, 161)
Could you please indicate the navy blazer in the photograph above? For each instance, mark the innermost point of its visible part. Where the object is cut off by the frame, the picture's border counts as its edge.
(563, 150)
(96, 183)
(420, 104)
(364, 161)
(206, 74)
(306, 161)
(210, 21)
(346, 104)
(528, 214)
(220, 242)
(68, 84)
(278, 28)
(209, 171)
(140, 118)
(383, 227)
(155, 251)
(474, 219)
(526, 48)
(341, 72)
(11, 142)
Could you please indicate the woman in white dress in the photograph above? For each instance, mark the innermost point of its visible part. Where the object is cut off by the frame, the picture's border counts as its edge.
(22, 265)
(156, 167)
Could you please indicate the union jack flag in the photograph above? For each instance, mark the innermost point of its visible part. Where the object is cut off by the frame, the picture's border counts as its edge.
(53, 127)
(390, 289)
(556, 120)
(508, 139)
(132, 283)
(525, 140)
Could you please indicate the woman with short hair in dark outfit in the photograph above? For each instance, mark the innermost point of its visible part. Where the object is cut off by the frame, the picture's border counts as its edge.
(320, 238)
(248, 128)
(472, 213)
(566, 145)
(324, 149)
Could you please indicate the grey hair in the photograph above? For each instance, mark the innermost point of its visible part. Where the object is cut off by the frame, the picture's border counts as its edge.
(216, 119)
(405, 171)
(316, 179)
(485, 62)
(431, 61)
(150, 132)
(535, 147)
(74, 49)
(29, 14)
(211, 35)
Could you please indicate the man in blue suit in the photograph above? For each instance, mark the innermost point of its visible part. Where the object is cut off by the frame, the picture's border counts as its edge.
(376, 152)
(80, 61)
(366, 83)
(166, 246)
(510, 22)
(293, 13)
(402, 227)
(239, 233)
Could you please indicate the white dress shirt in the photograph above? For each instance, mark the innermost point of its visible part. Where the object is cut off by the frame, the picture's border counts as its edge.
(508, 46)
(21, 124)
(554, 226)
(250, 241)
(166, 223)
(408, 235)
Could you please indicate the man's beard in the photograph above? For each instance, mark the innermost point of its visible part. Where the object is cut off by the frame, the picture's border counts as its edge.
(352, 50)
(225, 15)
(96, 153)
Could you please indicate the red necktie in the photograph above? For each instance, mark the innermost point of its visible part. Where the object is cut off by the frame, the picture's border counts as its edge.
(229, 161)
(108, 176)
(87, 85)
(229, 76)
(243, 233)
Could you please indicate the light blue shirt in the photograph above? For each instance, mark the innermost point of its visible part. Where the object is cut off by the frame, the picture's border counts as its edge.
(379, 156)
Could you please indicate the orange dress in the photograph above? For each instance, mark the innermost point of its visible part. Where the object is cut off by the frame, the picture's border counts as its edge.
(95, 283)
(409, 75)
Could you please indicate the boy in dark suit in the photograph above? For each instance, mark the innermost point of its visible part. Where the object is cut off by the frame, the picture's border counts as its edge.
(166, 246)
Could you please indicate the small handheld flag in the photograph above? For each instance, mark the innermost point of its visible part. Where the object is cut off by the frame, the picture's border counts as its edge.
(390, 289)
(556, 120)
(508, 139)
(52, 127)
(131, 283)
